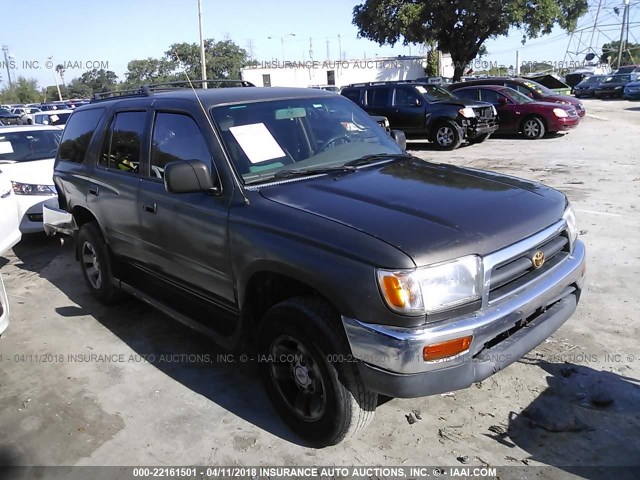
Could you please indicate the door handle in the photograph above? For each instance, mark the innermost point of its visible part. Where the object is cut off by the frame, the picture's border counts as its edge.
(94, 189)
(150, 207)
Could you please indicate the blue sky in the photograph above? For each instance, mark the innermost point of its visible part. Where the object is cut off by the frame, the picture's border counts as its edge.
(119, 31)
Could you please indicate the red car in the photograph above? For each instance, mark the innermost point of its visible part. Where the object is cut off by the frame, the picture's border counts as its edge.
(525, 86)
(518, 113)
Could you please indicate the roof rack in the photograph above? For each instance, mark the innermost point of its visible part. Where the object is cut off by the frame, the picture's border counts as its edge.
(148, 89)
(385, 82)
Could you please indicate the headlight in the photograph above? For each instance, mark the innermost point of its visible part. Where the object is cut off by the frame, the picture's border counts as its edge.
(467, 112)
(560, 113)
(572, 225)
(31, 189)
(563, 102)
(434, 288)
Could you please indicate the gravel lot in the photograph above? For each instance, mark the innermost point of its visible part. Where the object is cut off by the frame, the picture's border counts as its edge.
(141, 400)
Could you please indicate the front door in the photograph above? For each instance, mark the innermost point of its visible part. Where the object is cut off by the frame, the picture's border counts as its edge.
(185, 235)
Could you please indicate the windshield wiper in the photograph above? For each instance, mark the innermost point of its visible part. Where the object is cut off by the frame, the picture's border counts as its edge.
(302, 172)
(375, 157)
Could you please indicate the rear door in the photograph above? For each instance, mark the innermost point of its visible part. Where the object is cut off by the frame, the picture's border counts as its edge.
(112, 193)
(378, 101)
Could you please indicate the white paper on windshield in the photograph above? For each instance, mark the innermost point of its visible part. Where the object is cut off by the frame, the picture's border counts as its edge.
(54, 118)
(257, 142)
(6, 147)
(421, 89)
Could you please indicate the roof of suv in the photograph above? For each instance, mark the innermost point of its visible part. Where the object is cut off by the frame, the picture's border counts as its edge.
(220, 96)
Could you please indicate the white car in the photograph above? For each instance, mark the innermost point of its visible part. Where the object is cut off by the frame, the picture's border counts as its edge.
(9, 236)
(26, 117)
(52, 117)
(27, 154)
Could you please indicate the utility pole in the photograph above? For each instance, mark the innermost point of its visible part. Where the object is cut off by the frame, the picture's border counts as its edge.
(5, 50)
(620, 45)
(203, 63)
(327, 49)
(517, 63)
(339, 46)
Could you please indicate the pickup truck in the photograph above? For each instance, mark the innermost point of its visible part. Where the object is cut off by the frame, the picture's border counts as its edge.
(287, 222)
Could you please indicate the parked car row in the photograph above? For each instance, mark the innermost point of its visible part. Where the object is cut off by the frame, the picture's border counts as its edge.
(619, 85)
(468, 111)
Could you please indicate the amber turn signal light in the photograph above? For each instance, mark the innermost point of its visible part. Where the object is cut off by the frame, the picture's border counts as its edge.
(394, 292)
(438, 351)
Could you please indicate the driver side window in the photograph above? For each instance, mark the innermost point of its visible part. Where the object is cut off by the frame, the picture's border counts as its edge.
(490, 96)
(176, 137)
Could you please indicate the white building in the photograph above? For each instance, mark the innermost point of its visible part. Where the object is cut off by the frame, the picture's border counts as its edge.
(341, 72)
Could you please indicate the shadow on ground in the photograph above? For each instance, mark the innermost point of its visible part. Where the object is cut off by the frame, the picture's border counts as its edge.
(583, 419)
(195, 361)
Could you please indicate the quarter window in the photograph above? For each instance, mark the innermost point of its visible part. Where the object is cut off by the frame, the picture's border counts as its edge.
(121, 147)
(78, 133)
(176, 137)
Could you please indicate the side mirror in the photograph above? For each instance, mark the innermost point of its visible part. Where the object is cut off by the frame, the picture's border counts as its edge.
(190, 176)
(502, 101)
(400, 138)
(417, 103)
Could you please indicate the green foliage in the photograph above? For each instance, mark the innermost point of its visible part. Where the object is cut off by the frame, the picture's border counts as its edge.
(460, 27)
(22, 91)
(630, 53)
(535, 67)
(99, 80)
(224, 59)
(150, 70)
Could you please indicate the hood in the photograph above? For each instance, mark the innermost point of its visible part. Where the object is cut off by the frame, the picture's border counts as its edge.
(561, 98)
(429, 211)
(633, 84)
(461, 102)
(36, 172)
(612, 84)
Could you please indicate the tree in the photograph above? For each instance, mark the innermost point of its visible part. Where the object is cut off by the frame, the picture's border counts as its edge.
(224, 59)
(630, 53)
(60, 71)
(22, 91)
(460, 27)
(535, 67)
(99, 80)
(150, 70)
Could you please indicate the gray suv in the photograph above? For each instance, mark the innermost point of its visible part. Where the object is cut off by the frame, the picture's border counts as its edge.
(287, 223)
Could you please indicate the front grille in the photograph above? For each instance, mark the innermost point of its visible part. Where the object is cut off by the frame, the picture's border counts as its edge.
(518, 271)
(484, 114)
(572, 113)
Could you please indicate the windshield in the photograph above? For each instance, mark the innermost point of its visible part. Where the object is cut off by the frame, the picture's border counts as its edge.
(29, 145)
(516, 96)
(618, 79)
(434, 92)
(538, 87)
(263, 138)
(592, 79)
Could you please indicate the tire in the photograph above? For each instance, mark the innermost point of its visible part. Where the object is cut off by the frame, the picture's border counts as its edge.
(445, 136)
(96, 265)
(480, 138)
(533, 128)
(308, 375)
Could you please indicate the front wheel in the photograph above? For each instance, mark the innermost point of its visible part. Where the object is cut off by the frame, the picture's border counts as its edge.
(308, 375)
(533, 128)
(446, 136)
(95, 262)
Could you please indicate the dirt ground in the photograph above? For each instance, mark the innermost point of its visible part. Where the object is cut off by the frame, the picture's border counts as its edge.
(82, 384)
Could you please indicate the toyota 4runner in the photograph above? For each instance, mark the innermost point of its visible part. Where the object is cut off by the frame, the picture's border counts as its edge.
(286, 220)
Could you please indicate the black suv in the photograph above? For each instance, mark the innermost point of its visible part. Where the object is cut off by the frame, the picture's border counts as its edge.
(423, 110)
(285, 222)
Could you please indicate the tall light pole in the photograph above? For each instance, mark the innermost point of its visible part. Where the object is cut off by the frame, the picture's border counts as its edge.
(203, 63)
(282, 42)
(5, 50)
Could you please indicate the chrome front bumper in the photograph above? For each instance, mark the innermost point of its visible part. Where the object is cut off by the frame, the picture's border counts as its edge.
(4, 308)
(57, 220)
(398, 351)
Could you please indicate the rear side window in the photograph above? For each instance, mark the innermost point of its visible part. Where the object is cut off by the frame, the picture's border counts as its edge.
(121, 147)
(77, 135)
(176, 137)
(352, 94)
(377, 97)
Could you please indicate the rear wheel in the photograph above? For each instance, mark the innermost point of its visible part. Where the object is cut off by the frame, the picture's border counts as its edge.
(445, 136)
(95, 262)
(533, 128)
(306, 371)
